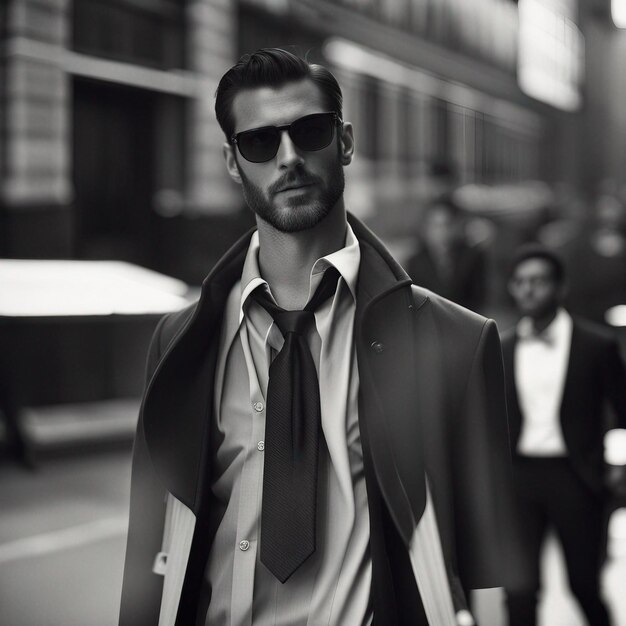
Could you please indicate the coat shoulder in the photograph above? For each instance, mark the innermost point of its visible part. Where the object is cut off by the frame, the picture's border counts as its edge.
(461, 334)
(172, 323)
(166, 330)
(594, 333)
(449, 314)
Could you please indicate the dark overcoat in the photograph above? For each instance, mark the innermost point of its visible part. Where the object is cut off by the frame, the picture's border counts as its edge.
(431, 403)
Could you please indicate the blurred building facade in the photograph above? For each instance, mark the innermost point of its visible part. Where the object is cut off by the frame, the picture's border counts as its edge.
(109, 146)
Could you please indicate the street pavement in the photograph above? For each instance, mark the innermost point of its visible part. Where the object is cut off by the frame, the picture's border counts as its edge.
(62, 540)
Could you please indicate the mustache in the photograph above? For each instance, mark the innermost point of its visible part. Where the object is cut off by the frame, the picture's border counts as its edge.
(293, 179)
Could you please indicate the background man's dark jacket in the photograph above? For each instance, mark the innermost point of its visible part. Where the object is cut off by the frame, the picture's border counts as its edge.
(595, 377)
(431, 401)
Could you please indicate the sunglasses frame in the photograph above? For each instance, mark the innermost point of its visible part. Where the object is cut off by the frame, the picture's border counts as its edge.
(234, 140)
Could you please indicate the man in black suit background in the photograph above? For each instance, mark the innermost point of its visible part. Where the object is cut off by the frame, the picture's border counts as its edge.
(560, 373)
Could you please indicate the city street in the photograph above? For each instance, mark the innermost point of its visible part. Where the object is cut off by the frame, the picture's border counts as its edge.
(62, 539)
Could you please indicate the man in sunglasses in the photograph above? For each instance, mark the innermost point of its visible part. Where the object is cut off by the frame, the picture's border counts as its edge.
(320, 441)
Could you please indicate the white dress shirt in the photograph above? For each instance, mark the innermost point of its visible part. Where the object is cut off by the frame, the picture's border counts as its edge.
(541, 362)
(333, 585)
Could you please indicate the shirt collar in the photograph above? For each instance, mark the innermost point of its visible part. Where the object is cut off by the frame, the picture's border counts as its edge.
(555, 331)
(346, 260)
(251, 274)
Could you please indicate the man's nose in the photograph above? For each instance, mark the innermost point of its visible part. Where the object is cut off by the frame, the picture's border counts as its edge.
(526, 288)
(288, 155)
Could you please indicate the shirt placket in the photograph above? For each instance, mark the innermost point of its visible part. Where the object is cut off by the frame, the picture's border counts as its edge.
(247, 538)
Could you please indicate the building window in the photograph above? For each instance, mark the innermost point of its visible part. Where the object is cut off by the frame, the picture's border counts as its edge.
(144, 32)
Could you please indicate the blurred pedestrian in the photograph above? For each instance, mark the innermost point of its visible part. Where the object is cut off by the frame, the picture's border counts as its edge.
(373, 385)
(596, 255)
(444, 261)
(560, 372)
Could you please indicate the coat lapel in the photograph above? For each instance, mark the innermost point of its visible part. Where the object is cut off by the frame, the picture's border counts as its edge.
(387, 392)
(177, 406)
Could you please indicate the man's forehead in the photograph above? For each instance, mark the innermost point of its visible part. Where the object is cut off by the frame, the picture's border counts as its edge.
(263, 106)
(534, 266)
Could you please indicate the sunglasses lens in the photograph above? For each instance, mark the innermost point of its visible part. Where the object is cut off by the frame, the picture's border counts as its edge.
(310, 133)
(313, 133)
(260, 145)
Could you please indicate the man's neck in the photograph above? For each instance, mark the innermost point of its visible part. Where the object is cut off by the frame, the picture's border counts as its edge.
(286, 259)
(542, 322)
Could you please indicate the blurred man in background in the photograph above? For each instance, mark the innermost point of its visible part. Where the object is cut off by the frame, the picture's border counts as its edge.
(598, 259)
(293, 455)
(593, 248)
(560, 372)
(443, 260)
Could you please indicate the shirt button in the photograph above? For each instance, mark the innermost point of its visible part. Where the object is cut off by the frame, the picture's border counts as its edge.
(258, 406)
(377, 346)
(260, 446)
(244, 545)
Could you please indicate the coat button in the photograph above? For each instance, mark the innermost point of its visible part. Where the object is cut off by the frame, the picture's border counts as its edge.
(377, 346)
(244, 545)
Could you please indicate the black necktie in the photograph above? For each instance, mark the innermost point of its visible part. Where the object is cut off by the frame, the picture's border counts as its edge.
(292, 432)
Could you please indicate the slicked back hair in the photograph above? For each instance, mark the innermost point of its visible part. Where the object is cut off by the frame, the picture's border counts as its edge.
(271, 67)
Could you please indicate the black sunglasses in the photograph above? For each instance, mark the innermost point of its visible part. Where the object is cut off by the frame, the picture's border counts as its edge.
(310, 133)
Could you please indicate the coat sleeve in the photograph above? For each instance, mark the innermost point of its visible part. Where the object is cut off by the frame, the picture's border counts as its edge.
(141, 588)
(482, 473)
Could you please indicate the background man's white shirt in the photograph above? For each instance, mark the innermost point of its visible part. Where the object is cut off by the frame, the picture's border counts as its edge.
(541, 362)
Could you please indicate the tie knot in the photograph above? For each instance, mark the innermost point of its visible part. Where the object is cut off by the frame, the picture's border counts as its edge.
(293, 321)
(296, 321)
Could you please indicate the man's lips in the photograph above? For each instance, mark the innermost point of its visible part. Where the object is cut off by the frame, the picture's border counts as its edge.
(294, 187)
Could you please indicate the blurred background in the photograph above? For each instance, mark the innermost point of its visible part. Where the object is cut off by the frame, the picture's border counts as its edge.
(115, 203)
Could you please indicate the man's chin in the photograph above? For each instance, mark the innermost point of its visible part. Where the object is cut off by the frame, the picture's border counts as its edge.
(296, 217)
(535, 314)
(528, 311)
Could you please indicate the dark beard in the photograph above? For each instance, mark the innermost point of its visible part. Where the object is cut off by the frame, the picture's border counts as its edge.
(296, 214)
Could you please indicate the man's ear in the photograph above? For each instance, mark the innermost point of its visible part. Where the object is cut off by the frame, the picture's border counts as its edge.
(228, 150)
(346, 143)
